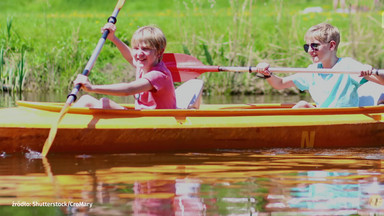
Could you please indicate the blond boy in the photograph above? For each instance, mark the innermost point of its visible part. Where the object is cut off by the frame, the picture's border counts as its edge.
(327, 90)
(153, 87)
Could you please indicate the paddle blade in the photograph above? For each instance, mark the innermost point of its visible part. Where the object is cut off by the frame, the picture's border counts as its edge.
(49, 140)
(120, 4)
(185, 67)
(53, 131)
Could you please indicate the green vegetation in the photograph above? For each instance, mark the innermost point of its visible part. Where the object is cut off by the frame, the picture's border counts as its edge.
(44, 44)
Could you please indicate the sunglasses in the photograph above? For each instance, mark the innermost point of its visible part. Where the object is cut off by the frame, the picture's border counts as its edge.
(314, 46)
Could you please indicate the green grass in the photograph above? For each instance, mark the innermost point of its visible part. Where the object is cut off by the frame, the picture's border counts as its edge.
(45, 44)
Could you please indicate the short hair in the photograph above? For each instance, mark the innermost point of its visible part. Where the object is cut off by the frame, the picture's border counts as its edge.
(151, 36)
(324, 33)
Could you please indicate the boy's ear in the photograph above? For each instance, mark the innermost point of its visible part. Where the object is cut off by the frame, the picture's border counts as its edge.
(161, 52)
(332, 44)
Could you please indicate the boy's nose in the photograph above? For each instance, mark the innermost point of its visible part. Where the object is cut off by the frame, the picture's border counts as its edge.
(140, 52)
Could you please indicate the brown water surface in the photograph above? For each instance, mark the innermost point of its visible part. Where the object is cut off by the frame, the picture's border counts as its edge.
(279, 181)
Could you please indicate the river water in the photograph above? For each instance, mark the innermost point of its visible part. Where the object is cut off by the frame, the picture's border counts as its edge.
(253, 182)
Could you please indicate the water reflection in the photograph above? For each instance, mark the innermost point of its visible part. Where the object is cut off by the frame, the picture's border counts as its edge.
(282, 181)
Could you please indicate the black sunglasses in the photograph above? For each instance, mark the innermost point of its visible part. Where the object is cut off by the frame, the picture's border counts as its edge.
(314, 46)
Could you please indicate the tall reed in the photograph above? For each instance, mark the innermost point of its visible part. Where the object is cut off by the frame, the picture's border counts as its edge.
(9, 27)
(20, 77)
(12, 61)
(1, 67)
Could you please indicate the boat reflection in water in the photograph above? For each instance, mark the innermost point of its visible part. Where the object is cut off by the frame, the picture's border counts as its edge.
(279, 181)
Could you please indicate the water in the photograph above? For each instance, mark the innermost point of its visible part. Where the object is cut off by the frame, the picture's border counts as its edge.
(255, 182)
(279, 181)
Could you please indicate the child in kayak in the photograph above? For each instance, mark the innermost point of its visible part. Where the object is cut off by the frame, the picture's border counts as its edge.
(327, 90)
(153, 87)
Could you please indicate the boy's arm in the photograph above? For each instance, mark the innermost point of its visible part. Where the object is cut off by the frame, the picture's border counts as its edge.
(275, 81)
(123, 48)
(118, 89)
(280, 83)
(367, 73)
(123, 89)
(379, 79)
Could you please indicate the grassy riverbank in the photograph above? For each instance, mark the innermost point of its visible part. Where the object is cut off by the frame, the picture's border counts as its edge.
(45, 44)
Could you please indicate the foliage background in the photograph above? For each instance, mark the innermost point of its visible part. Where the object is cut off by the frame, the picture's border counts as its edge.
(44, 44)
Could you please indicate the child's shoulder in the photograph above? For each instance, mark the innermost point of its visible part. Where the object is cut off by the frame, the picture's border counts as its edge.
(348, 62)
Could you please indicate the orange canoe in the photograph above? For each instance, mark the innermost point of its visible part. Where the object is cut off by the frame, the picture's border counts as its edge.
(250, 126)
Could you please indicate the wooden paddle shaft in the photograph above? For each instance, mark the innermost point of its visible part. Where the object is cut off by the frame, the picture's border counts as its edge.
(205, 68)
(298, 70)
(185, 67)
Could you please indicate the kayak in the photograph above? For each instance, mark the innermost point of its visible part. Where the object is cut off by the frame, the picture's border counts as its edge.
(25, 128)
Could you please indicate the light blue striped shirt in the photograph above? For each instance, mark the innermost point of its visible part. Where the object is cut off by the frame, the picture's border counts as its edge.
(332, 90)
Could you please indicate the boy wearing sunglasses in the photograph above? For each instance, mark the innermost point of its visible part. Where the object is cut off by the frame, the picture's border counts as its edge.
(327, 90)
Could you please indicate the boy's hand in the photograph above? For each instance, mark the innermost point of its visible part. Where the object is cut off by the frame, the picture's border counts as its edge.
(366, 70)
(263, 68)
(83, 81)
(112, 28)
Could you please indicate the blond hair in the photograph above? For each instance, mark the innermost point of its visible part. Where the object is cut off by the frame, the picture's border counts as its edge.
(324, 33)
(151, 36)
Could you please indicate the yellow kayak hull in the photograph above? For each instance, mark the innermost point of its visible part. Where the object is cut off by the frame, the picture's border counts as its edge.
(250, 126)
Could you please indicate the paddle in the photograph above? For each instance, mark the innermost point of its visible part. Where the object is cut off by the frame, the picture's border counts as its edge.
(185, 67)
(72, 96)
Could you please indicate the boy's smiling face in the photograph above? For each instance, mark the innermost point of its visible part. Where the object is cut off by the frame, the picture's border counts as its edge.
(319, 51)
(322, 41)
(144, 56)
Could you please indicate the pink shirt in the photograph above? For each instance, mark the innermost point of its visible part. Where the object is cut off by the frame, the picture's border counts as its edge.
(163, 94)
